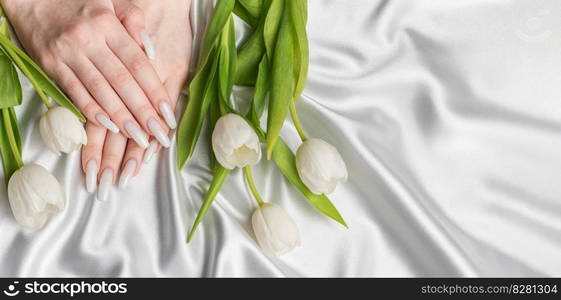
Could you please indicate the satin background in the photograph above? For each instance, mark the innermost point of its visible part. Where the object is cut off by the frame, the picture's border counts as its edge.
(448, 114)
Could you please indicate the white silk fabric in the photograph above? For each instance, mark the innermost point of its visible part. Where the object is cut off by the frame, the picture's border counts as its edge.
(447, 113)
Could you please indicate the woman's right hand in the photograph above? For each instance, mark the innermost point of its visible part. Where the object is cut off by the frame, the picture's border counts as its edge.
(98, 61)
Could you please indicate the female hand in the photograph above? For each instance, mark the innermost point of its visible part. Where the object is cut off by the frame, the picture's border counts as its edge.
(98, 62)
(167, 23)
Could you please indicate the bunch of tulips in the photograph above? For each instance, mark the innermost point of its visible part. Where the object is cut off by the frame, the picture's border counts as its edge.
(274, 61)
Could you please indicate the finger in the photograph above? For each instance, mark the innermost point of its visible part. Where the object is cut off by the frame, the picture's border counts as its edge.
(102, 91)
(91, 154)
(64, 76)
(140, 67)
(131, 94)
(132, 18)
(131, 163)
(111, 160)
(151, 151)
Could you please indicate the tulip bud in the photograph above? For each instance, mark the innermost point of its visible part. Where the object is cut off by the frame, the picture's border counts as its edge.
(275, 230)
(62, 131)
(235, 143)
(34, 194)
(320, 166)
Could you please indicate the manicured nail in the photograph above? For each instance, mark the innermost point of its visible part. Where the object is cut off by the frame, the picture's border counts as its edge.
(158, 132)
(150, 152)
(148, 46)
(137, 134)
(127, 172)
(107, 123)
(91, 176)
(168, 115)
(105, 184)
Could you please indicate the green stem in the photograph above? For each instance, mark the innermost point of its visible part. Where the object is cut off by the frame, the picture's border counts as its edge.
(296, 122)
(249, 177)
(11, 137)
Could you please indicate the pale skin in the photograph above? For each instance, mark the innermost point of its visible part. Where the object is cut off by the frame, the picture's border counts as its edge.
(94, 51)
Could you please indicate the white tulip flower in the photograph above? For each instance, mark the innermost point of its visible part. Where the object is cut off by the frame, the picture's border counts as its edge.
(275, 230)
(34, 195)
(235, 143)
(320, 166)
(62, 131)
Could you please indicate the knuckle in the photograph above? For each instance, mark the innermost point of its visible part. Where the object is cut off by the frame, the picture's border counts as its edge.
(101, 17)
(145, 110)
(72, 86)
(121, 77)
(97, 83)
(46, 60)
(90, 109)
(138, 64)
(75, 33)
(118, 112)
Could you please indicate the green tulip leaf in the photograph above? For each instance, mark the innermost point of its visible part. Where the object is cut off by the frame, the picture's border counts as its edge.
(218, 179)
(301, 49)
(10, 142)
(240, 11)
(201, 92)
(220, 16)
(285, 160)
(249, 57)
(10, 88)
(272, 24)
(260, 92)
(253, 7)
(227, 62)
(282, 83)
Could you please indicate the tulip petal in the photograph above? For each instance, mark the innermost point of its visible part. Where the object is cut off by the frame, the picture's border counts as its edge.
(46, 134)
(275, 231)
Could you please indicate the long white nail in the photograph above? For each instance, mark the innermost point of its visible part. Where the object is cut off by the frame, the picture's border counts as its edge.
(105, 121)
(158, 133)
(150, 152)
(91, 176)
(148, 46)
(105, 184)
(127, 172)
(168, 115)
(137, 134)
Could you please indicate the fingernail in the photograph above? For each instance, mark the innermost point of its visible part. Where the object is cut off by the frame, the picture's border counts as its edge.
(148, 46)
(168, 115)
(150, 152)
(127, 172)
(107, 123)
(158, 132)
(105, 184)
(91, 176)
(137, 134)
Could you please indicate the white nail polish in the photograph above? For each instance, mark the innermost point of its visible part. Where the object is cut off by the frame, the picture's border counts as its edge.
(137, 134)
(127, 172)
(91, 176)
(107, 123)
(148, 46)
(158, 133)
(105, 184)
(168, 115)
(150, 152)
